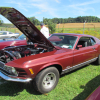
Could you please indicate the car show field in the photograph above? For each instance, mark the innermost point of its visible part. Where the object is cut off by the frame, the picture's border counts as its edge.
(76, 85)
(24, 63)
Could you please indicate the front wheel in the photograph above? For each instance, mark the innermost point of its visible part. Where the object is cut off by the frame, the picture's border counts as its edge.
(46, 80)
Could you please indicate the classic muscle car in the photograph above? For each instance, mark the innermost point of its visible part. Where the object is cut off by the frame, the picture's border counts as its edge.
(21, 40)
(45, 60)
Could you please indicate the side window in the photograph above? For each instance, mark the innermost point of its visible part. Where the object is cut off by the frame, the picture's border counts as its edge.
(85, 41)
(4, 33)
(92, 41)
(1, 33)
(10, 33)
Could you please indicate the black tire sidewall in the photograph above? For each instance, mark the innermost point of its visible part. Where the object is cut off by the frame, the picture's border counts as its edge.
(99, 59)
(40, 77)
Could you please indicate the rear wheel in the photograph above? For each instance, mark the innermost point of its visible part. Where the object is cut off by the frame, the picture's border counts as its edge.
(46, 80)
(98, 60)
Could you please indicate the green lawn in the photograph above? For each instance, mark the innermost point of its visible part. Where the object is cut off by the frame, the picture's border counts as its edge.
(89, 31)
(76, 85)
(14, 30)
(71, 30)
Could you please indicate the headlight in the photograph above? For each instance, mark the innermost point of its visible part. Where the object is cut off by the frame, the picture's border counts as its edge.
(11, 70)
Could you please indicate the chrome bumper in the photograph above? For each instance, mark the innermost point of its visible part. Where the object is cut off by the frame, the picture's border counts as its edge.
(14, 79)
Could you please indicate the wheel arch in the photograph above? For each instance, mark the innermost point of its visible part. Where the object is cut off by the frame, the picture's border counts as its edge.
(56, 65)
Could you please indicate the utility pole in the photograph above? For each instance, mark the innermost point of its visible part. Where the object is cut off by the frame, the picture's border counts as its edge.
(84, 26)
(58, 27)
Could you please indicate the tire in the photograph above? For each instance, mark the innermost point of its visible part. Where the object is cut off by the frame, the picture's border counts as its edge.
(46, 80)
(13, 37)
(98, 60)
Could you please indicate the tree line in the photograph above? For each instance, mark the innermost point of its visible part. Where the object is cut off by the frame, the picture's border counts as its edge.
(51, 23)
(80, 19)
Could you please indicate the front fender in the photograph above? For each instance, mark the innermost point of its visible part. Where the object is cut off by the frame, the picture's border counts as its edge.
(48, 65)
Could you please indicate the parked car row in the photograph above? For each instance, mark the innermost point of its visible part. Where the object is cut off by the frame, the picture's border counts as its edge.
(7, 34)
(21, 40)
(45, 60)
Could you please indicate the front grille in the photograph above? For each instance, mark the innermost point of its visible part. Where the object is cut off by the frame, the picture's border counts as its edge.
(5, 72)
(21, 73)
(3, 69)
(2, 65)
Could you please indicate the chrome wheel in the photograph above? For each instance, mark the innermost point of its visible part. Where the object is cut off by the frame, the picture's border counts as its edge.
(49, 80)
(46, 80)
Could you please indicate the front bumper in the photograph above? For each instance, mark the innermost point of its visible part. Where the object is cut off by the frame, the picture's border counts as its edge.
(14, 79)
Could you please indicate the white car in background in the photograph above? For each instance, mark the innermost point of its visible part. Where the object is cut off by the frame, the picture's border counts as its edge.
(7, 34)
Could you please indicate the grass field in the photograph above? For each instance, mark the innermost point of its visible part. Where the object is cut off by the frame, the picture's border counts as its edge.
(76, 85)
(89, 28)
(78, 25)
(15, 30)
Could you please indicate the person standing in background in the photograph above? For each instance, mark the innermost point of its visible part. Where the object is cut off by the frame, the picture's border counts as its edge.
(44, 30)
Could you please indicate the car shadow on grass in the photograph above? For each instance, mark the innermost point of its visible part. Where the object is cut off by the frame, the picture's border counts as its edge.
(14, 88)
(88, 88)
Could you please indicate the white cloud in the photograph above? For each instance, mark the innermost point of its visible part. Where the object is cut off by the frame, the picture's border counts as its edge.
(57, 1)
(85, 3)
(34, 0)
(82, 8)
(44, 7)
(98, 16)
(41, 5)
(19, 4)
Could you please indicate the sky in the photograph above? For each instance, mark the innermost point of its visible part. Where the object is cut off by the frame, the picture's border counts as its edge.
(53, 8)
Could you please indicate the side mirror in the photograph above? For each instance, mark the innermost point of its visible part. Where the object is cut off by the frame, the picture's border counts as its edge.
(79, 46)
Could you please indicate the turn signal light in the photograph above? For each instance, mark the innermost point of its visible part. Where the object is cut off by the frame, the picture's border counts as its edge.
(31, 71)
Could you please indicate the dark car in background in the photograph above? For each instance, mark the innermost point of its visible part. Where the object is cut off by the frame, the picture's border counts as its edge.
(7, 34)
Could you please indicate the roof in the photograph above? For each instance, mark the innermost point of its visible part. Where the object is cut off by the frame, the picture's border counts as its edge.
(74, 34)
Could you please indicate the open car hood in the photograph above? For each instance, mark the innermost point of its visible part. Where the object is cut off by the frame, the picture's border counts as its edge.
(25, 26)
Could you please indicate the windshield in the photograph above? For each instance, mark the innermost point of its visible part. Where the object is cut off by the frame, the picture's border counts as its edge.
(64, 41)
(3, 33)
(22, 37)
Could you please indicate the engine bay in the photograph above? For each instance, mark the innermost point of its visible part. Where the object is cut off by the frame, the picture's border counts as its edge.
(16, 52)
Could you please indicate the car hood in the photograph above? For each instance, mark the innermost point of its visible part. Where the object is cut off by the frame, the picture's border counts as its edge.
(25, 26)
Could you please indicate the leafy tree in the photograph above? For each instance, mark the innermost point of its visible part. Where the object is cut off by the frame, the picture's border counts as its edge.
(34, 20)
(52, 27)
(1, 21)
(45, 20)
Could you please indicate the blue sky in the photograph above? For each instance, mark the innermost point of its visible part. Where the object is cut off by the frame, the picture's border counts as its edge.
(54, 8)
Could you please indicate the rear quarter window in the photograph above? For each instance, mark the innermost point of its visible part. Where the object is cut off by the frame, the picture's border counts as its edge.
(92, 41)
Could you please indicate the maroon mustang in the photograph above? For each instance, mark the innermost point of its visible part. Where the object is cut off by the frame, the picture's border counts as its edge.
(46, 59)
